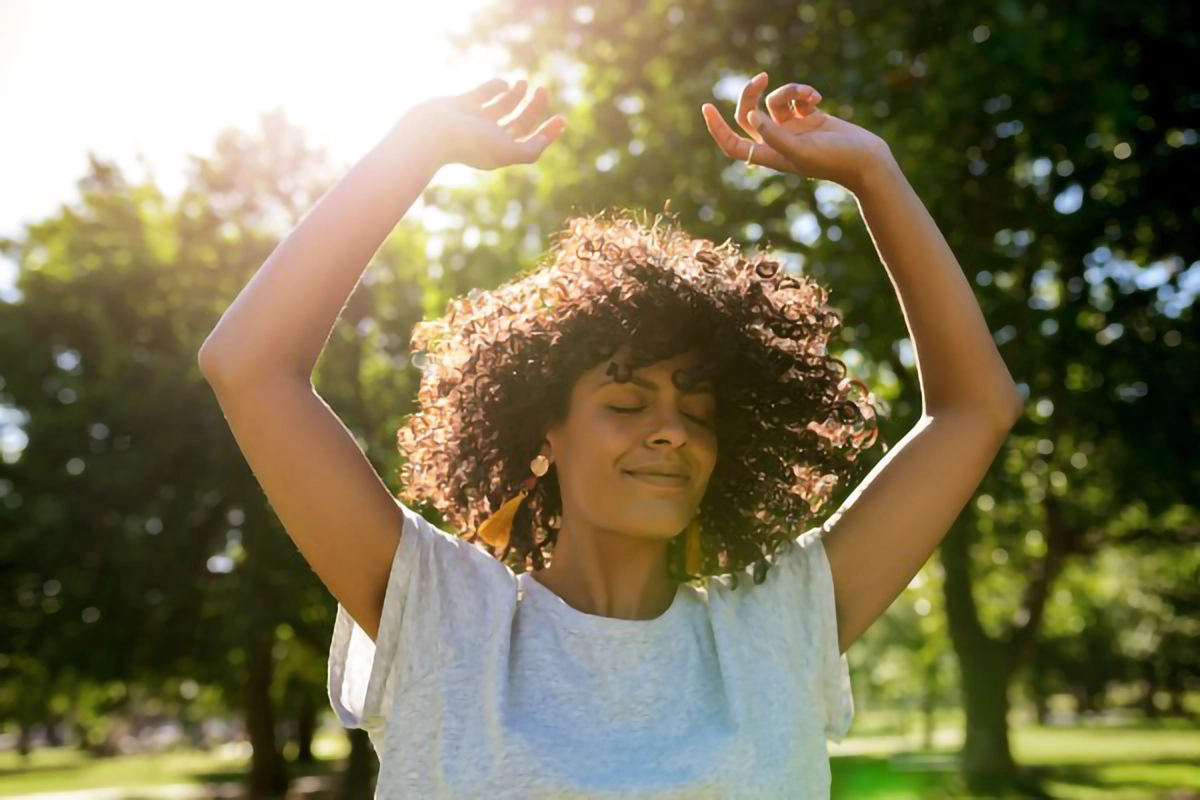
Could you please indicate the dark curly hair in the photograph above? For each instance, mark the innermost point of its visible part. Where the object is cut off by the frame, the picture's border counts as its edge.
(499, 367)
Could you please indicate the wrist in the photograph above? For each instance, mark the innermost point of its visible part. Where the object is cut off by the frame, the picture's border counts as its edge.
(417, 137)
(879, 169)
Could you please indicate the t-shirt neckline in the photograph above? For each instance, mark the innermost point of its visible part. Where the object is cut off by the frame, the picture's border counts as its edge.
(594, 624)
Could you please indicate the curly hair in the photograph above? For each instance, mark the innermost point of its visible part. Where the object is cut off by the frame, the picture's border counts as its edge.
(499, 367)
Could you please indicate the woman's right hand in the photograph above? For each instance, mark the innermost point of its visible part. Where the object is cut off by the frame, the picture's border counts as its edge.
(466, 128)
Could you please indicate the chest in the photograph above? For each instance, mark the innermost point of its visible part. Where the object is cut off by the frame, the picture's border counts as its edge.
(534, 713)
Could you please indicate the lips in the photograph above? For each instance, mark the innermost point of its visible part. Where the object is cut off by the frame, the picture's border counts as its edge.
(660, 480)
(667, 470)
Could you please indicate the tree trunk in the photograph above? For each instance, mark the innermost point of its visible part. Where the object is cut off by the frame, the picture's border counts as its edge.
(24, 739)
(306, 726)
(986, 666)
(54, 731)
(1150, 675)
(929, 704)
(1039, 691)
(193, 730)
(1085, 702)
(362, 766)
(987, 758)
(268, 776)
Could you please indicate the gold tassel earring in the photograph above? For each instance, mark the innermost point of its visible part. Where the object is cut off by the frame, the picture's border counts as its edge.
(495, 529)
(694, 557)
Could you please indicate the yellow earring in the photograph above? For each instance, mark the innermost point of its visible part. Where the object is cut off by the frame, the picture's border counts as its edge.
(496, 529)
(694, 557)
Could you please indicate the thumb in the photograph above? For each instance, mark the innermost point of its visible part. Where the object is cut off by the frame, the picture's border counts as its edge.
(771, 133)
(530, 149)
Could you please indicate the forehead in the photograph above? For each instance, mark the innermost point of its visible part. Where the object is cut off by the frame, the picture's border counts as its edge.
(650, 375)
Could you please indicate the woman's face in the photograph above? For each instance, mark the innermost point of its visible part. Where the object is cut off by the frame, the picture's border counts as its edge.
(616, 434)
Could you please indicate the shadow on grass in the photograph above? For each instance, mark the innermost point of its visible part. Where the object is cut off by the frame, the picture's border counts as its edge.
(1156, 781)
(320, 768)
(35, 769)
(308, 780)
(1133, 724)
(1174, 724)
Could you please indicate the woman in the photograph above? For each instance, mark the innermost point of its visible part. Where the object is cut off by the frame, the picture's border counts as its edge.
(657, 418)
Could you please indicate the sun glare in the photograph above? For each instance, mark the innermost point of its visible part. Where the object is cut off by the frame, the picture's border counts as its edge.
(159, 80)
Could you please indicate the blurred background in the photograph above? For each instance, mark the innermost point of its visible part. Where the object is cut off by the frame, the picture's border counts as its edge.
(160, 635)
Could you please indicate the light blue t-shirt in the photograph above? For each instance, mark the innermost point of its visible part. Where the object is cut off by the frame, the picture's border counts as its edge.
(486, 684)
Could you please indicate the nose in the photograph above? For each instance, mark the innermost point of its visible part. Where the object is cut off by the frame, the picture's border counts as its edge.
(668, 428)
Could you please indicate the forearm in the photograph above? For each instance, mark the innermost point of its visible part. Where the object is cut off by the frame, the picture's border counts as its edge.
(957, 360)
(282, 318)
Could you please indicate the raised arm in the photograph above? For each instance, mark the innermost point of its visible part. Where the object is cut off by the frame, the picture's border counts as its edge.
(892, 522)
(260, 357)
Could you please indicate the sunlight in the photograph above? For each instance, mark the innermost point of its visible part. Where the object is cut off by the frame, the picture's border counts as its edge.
(138, 81)
(163, 79)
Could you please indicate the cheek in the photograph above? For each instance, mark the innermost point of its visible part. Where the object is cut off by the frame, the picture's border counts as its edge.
(704, 440)
(610, 432)
(598, 443)
(595, 485)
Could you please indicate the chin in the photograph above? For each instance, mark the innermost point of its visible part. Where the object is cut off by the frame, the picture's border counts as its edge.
(656, 529)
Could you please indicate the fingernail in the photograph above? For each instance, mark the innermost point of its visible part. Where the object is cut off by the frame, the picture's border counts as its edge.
(754, 117)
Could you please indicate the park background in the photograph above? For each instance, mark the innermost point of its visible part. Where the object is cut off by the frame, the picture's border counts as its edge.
(161, 636)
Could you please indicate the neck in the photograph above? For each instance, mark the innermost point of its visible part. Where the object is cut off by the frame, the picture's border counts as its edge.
(608, 574)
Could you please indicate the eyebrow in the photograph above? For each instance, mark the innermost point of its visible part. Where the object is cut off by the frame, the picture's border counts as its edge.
(703, 387)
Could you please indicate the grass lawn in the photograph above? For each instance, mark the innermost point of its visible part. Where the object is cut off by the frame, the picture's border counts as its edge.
(66, 769)
(1087, 762)
(1141, 760)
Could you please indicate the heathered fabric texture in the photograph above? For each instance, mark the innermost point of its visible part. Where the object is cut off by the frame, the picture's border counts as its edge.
(486, 684)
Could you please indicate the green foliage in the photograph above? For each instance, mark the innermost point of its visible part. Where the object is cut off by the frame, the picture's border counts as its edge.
(1054, 152)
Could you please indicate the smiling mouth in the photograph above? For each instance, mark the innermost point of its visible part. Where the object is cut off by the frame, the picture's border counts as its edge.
(662, 481)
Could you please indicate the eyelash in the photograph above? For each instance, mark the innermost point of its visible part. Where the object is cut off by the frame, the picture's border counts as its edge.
(635, 409)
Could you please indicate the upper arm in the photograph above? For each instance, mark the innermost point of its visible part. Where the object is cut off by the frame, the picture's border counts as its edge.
(889, 526)
(333, 504)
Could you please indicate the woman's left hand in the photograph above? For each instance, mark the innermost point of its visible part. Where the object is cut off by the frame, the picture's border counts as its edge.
(797, 137)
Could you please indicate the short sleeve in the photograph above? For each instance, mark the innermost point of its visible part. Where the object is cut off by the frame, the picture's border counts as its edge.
(803, 588)
(443, 594)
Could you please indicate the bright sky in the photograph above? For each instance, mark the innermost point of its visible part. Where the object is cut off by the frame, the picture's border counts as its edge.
(123, 77)
(163, 78)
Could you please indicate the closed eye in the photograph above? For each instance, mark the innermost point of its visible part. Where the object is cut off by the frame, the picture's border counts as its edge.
(635, 409)
(621, 410)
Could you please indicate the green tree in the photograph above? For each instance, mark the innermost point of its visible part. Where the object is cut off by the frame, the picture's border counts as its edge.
(1055, 186)
(141, 547)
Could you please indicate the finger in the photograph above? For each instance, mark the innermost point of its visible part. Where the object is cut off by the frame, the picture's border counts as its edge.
(788, 139)
(748, 101)
(502, 105)
(788, 143)
(485, 91)
(530, 149)
(534, 110)
(792, 101)
(738, 147)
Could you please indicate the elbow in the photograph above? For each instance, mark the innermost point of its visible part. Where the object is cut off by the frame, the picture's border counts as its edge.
(1000, 409)
(204, 360)
(1016, 405)
(1006, 414)
(210, 363)
(223, 369)
(1009, 410)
